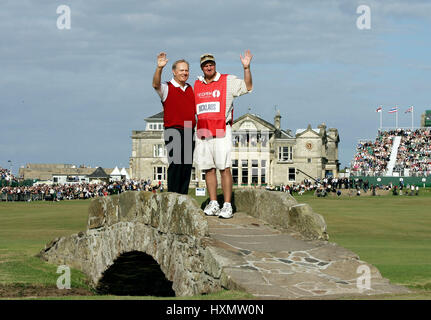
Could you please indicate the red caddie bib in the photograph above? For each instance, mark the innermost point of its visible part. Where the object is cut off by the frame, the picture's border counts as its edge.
(210, 102)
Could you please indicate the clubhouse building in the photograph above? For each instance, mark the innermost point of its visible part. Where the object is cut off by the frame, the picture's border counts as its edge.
(262, 154)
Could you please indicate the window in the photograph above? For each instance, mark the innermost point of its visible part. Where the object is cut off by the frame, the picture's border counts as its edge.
(202, 176)
(235, 171)
(235, 140)
(263, 138)
(244, 165)
(309, 160)
(253, 140)
(263, 172)
(159, 173)
(156, 126)
(284, 153)
(292, 175)
(159, 150)
(193, 178)
(254, 171)
(243, 139)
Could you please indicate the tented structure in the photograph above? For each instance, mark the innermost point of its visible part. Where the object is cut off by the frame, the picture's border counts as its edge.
(99, 175)
(124, 173)
(115, 174)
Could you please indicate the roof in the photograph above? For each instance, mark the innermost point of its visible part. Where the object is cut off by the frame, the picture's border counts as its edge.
(257, 118)
(282, 134)
(299, 131)
(98, 173)
(124, 173)
(279, 134)
(157, 116)
(116, 172)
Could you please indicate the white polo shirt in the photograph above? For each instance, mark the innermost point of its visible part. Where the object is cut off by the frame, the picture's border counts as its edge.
(164, 88)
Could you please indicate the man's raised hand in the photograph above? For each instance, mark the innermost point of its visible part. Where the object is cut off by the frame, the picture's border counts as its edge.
(161, 60)
(246, 59)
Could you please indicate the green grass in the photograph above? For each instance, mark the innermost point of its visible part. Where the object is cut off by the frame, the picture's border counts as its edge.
(392, 233)
(25, 228)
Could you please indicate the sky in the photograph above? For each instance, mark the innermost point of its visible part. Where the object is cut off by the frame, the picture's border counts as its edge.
(74, 95)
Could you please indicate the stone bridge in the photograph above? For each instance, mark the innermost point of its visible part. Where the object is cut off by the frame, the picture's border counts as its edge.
(141, 243)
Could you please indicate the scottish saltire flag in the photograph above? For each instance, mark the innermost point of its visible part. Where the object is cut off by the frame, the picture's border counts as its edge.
(409, 109)
(379, 109)
(393, 110)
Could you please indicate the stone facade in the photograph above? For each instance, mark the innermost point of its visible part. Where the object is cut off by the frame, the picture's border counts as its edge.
(262, 153)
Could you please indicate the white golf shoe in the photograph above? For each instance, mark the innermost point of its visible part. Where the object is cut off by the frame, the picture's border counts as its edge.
(226, 211)
(212, 208)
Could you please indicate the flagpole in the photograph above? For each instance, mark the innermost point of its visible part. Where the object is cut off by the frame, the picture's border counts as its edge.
(412, 116)
(381, 112)
(396, 118)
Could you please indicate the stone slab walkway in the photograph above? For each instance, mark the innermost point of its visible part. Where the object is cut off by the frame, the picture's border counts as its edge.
(275, 264)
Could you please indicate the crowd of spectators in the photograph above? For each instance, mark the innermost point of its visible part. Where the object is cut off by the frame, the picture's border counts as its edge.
(57, 192)
(372, 157)
(319, 187)
(328, 184)
(7, 176)
(414, 153)
(350, 186)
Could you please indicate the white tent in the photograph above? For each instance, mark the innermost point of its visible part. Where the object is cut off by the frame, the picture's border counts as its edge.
(115, 174)
(124, 173)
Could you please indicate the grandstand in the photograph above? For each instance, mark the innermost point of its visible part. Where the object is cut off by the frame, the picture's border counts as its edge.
(394, 153)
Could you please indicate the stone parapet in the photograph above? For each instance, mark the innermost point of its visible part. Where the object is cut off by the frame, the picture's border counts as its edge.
(282, 210)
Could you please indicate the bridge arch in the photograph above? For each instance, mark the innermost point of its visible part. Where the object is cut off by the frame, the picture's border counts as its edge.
(135, 273)
(169, 228)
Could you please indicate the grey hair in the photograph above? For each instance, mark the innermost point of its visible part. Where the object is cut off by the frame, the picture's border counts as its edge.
(174, 66)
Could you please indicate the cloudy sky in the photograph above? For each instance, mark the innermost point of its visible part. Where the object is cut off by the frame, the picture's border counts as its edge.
(75, 95)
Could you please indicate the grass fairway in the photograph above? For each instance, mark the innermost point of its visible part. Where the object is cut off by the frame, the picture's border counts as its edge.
(392, 233)
(25, 228)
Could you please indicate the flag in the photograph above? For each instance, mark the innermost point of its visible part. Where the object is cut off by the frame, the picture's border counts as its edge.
(379, 109)
(409, 109)
(393, 110)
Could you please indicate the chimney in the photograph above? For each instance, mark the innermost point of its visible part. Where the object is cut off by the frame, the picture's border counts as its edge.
(277, 120)
(322, 128)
